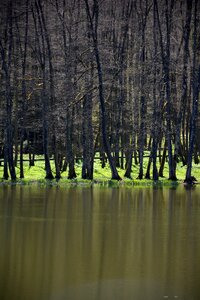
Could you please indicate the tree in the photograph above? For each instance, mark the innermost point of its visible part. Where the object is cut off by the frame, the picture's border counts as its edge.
(184, 91)
(6, 56)
(23, 54)
(166, 59)
(93, 22)
(41, 51)
(195, 91)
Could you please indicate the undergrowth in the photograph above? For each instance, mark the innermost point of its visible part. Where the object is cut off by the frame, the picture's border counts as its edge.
(36, 175)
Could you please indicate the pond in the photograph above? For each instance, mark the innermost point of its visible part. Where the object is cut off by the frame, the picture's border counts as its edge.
(99, 243)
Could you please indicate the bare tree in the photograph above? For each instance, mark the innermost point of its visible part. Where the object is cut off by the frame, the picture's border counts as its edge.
(6, 48)
(166, 60)
(41, 50)
(195, 90)
(93, 22)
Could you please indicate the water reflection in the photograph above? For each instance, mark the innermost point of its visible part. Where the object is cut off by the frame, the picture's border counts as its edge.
(97, 243)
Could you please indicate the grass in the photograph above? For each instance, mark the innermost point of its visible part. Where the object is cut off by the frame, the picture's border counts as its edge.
(36, 175)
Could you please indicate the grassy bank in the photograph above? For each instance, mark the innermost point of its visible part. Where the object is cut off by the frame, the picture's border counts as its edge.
(36, 175)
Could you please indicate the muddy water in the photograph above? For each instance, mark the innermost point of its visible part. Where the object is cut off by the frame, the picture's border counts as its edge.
(99, 243)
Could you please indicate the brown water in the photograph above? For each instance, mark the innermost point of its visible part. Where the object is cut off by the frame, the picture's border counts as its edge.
(99, 243)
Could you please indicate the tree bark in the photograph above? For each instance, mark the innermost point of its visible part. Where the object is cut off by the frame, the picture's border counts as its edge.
(184, 90)
(45, 102)
(93, 27)
(195, 88)
(6, 66)
(166, 58)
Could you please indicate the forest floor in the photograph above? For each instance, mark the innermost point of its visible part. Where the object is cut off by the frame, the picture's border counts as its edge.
(102, 176)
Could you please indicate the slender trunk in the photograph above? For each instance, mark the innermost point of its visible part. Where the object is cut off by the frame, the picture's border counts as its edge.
(181, 113)
(45, 128)
(106, 144)
(94, 26)
(195, 88)
(6, 66)
(68, 57)
(69, 142)
(161, 169)
(45, 102)
(166, 60)
(142, 133)
(154, 159)
(49, 174)
(87, 138)
(147, 176)
(155, 124)
(129, 164)
(87, 130)
(5, 168)
(24, 56)
(141, 142)
(51, 82)
(56, 157)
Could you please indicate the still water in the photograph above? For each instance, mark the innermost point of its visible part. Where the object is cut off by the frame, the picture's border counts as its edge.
(99, 243)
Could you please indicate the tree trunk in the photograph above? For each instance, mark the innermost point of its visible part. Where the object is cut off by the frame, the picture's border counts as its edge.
(163, 161)
(141, 138)
(69, 142)
(93, 27)
(195, 88)
(181, 113)
(166, 58)
(52, 92)
(87, 168)
(45, 102)
(5, 167)
(87, 129)
(6, 66)
(129, 164)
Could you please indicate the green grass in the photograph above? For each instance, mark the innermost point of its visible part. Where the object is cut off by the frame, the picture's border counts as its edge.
(36, 175)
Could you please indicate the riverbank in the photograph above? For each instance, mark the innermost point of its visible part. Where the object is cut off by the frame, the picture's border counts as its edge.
(35, 175)
(64, 182)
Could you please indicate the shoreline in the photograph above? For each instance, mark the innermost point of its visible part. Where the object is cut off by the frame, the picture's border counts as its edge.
(63, 182)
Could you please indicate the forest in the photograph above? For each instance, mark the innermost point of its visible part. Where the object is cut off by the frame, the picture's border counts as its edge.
(112, 79)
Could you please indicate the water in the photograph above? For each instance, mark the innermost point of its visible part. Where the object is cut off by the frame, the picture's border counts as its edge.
(99, 243)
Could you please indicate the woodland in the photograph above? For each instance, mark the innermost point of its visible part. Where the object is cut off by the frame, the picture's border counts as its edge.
(82, 79)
